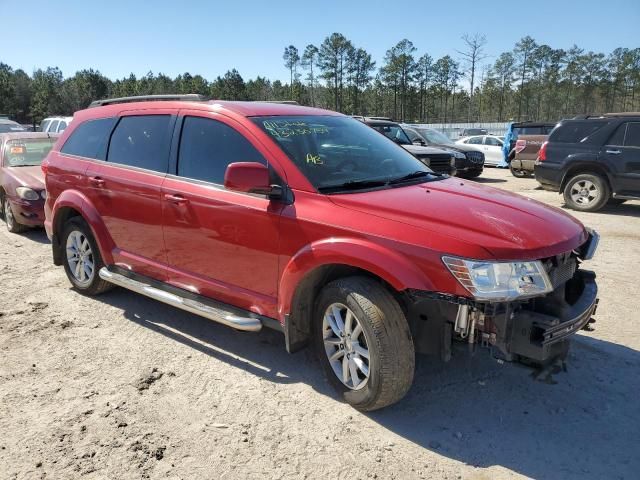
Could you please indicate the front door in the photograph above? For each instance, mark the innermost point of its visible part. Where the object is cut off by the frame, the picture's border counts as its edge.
(220, 243)
(126, 190)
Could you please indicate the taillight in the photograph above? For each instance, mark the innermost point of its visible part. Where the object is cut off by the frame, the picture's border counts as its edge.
(542, 153)
(520, 145)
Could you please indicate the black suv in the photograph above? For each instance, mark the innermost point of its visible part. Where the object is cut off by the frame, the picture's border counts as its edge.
(593, 160)
(469, 161)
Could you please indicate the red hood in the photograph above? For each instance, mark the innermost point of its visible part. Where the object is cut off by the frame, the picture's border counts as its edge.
(507, 225)
(31, 177)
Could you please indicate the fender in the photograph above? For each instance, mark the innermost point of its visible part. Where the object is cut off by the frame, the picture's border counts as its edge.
(585, 162)
(383, 262)
(76, 200)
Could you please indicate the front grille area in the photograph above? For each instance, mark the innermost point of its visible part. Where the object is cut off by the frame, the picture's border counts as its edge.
(437, 163)
(475, 157)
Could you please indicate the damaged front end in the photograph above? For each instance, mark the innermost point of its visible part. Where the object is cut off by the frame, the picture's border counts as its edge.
(535, 329)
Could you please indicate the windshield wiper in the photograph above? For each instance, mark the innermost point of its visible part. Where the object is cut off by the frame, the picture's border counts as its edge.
(412, 176)
(352, 185)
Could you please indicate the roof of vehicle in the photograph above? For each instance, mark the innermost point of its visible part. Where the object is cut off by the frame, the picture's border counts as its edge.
(375, 121)
(7, 121)
(25, 134)
(534, 124)
(57, 118)
(197, 102)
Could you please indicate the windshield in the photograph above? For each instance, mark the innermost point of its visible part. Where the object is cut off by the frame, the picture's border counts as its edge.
(393, 132)
(11, 127)
(433, 136)
(27, 152)
(337, 153)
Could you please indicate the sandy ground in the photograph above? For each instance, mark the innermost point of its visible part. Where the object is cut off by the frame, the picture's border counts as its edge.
(123, 387)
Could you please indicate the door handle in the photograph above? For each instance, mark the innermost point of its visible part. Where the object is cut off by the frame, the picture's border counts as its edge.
(175, 198)
(96, 181)
(613, 152)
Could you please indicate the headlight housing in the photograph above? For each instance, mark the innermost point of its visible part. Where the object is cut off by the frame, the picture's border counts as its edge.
(26, 193)
(500, 281)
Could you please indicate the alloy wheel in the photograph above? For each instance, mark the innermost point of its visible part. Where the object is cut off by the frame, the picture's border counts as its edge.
(346, 346)
(80, 258)
(584, 192)
(8, 215)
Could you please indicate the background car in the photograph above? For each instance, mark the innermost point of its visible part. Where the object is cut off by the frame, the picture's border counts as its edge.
(439, 160)
(467, 132)
(469, 161)
(55, 124)
(525, 140)
(593, 161)
(488, 144)
(22, 191)
(7, 126)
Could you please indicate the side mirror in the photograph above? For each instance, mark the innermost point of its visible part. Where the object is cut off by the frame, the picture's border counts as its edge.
(248, 177)
(420, 143)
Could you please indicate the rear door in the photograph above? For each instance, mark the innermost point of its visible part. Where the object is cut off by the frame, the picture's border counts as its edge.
(492, 148)
(220, 243)
(126, 189)
(622, 156)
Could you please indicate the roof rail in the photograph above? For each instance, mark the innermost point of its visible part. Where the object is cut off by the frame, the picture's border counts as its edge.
(622, 114)
(189, 97)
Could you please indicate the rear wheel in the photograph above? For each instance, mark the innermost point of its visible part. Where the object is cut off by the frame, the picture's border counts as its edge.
(82, 259)
(587, 192)
(10, 220)
(363, 343)
(518, 172)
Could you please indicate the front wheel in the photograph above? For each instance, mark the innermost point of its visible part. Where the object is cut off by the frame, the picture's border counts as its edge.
(10, 220)
(586, 192)
(363, 343)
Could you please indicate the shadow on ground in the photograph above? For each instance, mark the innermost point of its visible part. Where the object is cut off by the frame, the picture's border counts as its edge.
(472, 409)
(37, 235)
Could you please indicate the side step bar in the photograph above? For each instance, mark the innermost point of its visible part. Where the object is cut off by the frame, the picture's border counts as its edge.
(219, 315)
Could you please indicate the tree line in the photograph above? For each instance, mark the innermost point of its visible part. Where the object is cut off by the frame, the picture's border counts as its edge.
(531, 81)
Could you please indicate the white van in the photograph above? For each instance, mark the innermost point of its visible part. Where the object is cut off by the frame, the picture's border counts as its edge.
(55, 124)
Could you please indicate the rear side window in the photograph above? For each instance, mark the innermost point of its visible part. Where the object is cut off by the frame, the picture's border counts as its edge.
(62, 126)
(576, 132)
(492, 141)
(207, 147)
(54, 126)
(45, 124)
(632, 138)
(89, 139)
(475, 141)
(142, 142)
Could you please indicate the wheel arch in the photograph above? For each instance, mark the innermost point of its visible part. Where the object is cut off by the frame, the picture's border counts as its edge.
(72, 204)
(585, 167)
(322, 262)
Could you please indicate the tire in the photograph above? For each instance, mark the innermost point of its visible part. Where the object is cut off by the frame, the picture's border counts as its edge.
(384, 335)
(85, 280)
(10, 220)
(587, 192)
(519, 173)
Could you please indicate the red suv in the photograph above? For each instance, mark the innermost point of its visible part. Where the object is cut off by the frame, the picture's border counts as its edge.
(311, 223)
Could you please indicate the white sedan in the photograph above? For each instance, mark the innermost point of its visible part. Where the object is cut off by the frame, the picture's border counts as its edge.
(489, 145)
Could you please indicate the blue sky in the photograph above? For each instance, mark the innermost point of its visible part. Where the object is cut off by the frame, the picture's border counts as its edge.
(211, 37)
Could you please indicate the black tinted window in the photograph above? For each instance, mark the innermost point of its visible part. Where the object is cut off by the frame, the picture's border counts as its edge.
(208, 146)
(89, 139)
(62, 126)
(618, 136)
(54, 126)
(142, 142)
(632, 139)
(576, 132)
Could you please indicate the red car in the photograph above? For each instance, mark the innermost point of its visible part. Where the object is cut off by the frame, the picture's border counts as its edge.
(22, 191)
(311, 223)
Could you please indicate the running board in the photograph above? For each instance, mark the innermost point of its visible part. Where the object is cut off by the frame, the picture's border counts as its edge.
(225, 317)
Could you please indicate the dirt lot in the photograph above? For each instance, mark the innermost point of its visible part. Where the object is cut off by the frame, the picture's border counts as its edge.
(123, 387)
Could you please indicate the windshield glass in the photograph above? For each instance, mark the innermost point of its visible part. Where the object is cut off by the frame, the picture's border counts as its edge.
(27, 152)
(335, 152)
(433, 136)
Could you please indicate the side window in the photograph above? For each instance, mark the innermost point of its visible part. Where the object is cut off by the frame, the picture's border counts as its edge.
(632, 138)
(618, 135)
(44, 125)
(492, 141)
(475, 141)
(89, 139)
(207, 147)
(142, 142)
(54, 126)
(62, 126)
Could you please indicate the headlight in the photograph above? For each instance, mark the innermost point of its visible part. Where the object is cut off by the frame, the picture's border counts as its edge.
(500, 281)
(27, 194)
(43, 194)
